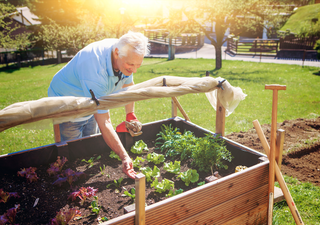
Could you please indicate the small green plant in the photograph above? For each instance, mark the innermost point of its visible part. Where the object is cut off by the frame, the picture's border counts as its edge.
(116, 183)
(211, 153)
(114, 156)
(190, 176)
(163, 186)
(91, 161)
(174, 193)
(201, 183)
(172, 168)
(155, 158)
(149, 173)
(102, 169)
(95, 208)
(132, 195)
(137, 161)
(139, 147)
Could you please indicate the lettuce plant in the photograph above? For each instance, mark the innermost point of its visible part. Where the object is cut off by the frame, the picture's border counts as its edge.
(5, 196)
(116, 183)
(10, 216)
(56, 167)
(139, 147)
(95, 208)
(172, 168)
(149, 173)
(29, 174)
(83, 194)
(174, 193)
(155, 158)
(114, 156)
(63, 217)
(163, 186)
(189, 176)
(136, 162)
(70, 176)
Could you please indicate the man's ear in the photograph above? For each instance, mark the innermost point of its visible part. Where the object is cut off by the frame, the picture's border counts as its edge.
(116, 53)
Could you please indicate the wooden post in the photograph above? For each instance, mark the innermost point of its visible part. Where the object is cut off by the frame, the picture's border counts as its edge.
(220, 117)
(56, 131)
(279, 146)
(140, 183)
(174, 109)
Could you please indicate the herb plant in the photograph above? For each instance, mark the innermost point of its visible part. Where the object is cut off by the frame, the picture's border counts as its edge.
(91, 161)
(114, 156)
(29, 174)
(10, 216)
(56, 167)
(189, 176)
(83, 194)
(172, 168)
(210, 153)
(136, 162)
(163, 186)
(139, 147)
(155, 158)
(5, 196)
(63, 217)
(149, 173)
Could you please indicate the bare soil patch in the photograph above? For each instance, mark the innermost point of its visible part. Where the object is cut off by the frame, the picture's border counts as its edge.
(301, 147)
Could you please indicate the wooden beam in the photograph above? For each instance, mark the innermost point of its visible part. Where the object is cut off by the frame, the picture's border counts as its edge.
(174, 109)
(220, 117)
(56, 131)
(177, 103)
(279, 146)
(140, 183)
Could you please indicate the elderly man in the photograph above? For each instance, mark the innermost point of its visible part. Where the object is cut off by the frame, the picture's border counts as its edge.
(104, 67)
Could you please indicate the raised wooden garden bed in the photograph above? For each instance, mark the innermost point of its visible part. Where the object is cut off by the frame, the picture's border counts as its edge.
(239, 198)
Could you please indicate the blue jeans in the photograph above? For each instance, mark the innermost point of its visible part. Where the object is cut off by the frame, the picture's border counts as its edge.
(73, 130)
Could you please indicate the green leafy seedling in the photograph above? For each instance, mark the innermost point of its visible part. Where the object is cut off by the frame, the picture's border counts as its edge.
(172, 168)
(139, 147)
(163, 186)
(149, 173)
(155, 158)
(132, 195)
(114, 156)
(95, 208)
(91, 161)
(174, 193)
(189, 176)
(136, 162)
(201, 183)
(102, 169)
(117, 184)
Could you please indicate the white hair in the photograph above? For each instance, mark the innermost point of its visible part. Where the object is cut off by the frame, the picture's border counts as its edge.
(135, 41)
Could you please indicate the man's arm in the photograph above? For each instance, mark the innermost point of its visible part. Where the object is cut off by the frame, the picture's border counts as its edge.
(111, 138)
(129, 107)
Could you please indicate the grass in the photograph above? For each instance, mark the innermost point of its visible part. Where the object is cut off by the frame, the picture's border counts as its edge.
(302, 16)
(300, 100)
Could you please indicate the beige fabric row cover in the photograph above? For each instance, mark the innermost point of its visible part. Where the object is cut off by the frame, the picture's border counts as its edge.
(61, 109)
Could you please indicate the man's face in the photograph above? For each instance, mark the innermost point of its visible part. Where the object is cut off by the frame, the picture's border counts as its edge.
(130, 63)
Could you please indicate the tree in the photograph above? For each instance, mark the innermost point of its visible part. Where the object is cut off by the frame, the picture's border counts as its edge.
(226, 14)
(8, 28)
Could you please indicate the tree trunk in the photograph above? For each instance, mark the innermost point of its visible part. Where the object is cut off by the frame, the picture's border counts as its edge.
(218, 57)
(59, 56)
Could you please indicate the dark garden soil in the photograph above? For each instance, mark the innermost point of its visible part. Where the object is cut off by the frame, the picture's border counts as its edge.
(41, 200)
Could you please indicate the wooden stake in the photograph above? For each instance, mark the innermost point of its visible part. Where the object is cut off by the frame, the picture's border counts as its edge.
(275, 88)
(285, 190)
(279, 146)
(140, 183)
(177, 103)
(173, 109)
(56, 132)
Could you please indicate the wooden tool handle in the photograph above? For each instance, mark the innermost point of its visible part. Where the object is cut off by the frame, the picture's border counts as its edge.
(285, 190)
(275, 87)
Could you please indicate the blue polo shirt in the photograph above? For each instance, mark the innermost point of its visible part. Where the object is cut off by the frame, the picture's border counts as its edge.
(90, 68)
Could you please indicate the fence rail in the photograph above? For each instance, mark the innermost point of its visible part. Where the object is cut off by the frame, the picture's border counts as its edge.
(291, 42)
(257, 47)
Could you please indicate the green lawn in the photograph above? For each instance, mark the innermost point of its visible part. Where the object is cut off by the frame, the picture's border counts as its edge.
(300, 100)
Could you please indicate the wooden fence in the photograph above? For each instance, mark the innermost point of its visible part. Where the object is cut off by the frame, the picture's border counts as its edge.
(257, 47)
(291, 42)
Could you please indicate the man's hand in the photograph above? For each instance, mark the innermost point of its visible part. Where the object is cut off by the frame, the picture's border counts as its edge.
(127, 167)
